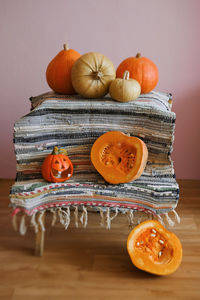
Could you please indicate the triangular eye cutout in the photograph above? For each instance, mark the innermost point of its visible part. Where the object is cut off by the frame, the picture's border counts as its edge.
(56, 162)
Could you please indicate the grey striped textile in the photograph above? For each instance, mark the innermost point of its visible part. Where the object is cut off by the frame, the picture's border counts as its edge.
(74, 123)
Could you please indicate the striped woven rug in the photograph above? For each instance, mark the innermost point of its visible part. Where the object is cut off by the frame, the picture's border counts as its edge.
(74, 123)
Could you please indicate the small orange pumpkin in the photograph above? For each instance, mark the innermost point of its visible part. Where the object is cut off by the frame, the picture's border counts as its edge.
(141, 69)
(57, 167)
(58, 73)
(152, 248)
(118, 157)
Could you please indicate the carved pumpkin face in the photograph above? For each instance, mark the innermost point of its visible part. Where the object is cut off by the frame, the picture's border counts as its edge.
(57, 167)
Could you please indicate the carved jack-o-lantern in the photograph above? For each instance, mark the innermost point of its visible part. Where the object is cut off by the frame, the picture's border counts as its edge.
(57, 167)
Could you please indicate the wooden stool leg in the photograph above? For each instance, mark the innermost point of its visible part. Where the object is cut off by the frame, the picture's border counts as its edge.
(39, 241)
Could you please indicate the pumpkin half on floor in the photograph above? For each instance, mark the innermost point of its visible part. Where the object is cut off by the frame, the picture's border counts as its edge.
(58, 73)
(57, 167)
(118, 157)
(92, 74)
(152, 248)
(141, 69)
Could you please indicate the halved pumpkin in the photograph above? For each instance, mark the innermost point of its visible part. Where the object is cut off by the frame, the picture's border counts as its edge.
(118, 157)
(152, 248)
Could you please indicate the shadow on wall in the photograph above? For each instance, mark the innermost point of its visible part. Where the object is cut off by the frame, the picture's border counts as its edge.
(187, 135)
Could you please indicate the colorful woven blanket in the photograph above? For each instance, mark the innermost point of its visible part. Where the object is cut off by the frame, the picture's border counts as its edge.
(74, 123)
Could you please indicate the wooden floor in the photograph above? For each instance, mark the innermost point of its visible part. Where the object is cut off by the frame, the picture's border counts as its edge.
(92, 263)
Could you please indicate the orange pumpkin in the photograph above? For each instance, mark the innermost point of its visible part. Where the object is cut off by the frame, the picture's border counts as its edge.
(57, 167)
(141, 69)
(118, 157)
(58, 73)
(152, 248)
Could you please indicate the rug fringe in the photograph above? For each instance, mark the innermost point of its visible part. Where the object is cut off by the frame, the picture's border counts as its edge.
(84, 217)
(41, 220)
(160, 219)
(107, 215)
(102, 222)
(108, 219)
(54, 217)
(34, 223)
(130, 216)
(64, 216)
(169, 220)
(176, 216)
(76, 216)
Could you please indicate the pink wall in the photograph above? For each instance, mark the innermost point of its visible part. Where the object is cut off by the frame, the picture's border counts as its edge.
(32, 32)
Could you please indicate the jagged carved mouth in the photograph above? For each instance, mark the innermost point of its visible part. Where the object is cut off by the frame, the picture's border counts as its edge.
(61, 174)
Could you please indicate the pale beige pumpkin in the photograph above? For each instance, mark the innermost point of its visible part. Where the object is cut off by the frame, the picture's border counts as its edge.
(92, 74)
(125, 89)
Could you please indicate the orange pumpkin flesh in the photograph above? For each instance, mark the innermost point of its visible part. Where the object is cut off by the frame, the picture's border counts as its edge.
(141, 69)
(57, 167)
(118, 157)
(58, 73)
(154, 249)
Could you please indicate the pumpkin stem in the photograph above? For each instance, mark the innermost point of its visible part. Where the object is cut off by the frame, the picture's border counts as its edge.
(138, 55)
(55, 151)
(126, 75)
(98, 74)
(66, 46)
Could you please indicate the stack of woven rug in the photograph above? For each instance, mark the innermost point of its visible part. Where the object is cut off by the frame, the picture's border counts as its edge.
(75, 123)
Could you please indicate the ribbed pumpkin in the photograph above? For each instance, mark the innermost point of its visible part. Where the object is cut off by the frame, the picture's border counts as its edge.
(141, 69)
(57, 167)
(118, 157)
(154, 249)
(124, 89)
(92, 74)
(58, 73)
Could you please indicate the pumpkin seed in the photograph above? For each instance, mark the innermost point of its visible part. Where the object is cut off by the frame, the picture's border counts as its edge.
(153, 235)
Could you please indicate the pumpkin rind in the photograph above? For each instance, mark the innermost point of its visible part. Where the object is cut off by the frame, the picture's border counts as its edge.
(57, 167)
(92, 74)
(58, 73)
(118, 157)
(152, 248)
(141, 69)
(124, 89)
